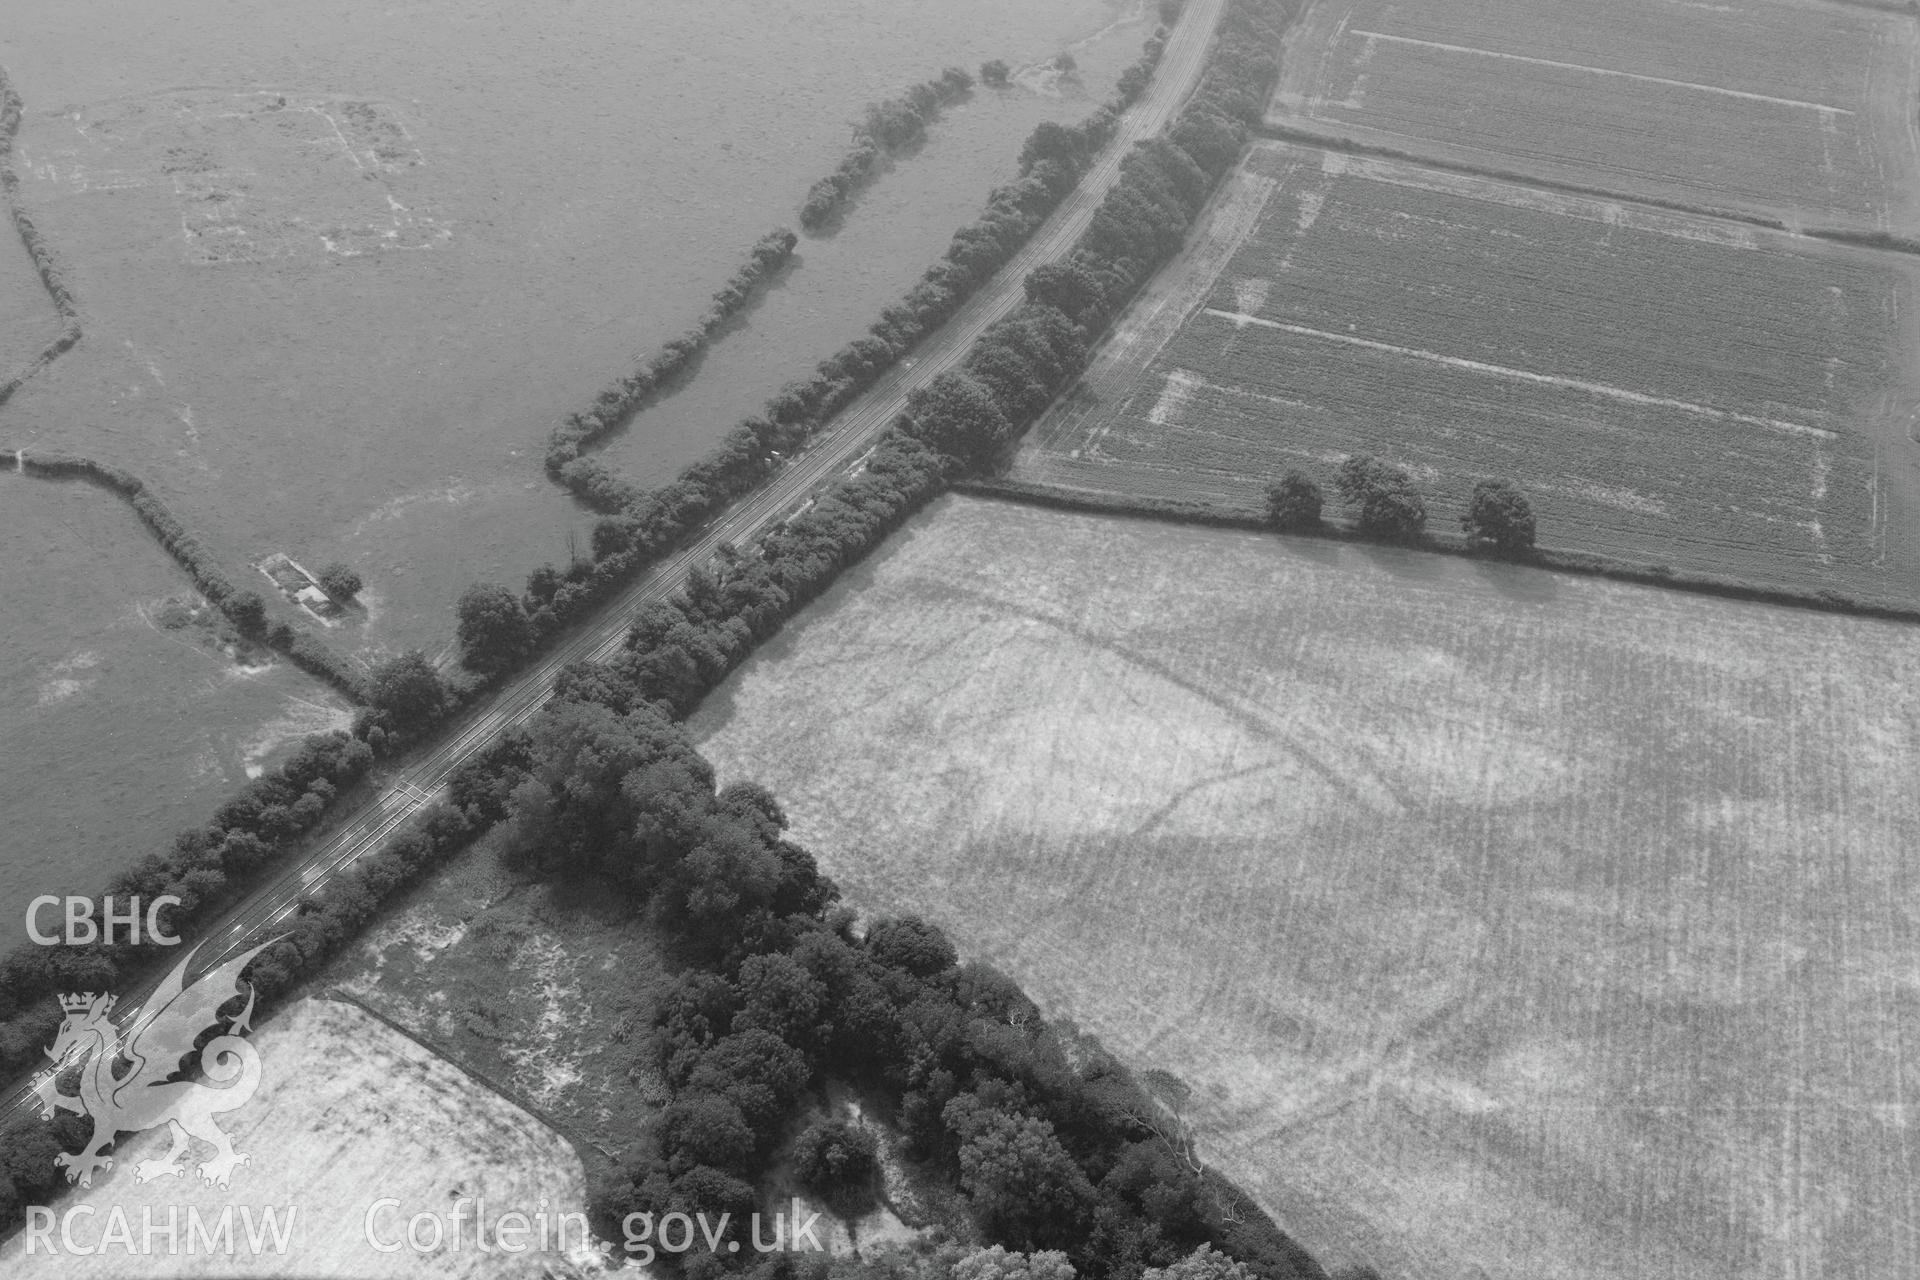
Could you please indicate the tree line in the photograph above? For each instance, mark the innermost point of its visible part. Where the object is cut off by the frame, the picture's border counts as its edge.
(206, 867)
(44, 263)
(320, 927)
(499, 629)
(621, 399)
(781, 989)
(885, 129)
(678, 649)
(961, 421)
(1388, 507)
(244, 607)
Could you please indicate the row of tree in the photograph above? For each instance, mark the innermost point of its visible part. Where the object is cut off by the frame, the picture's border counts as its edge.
(626, 396)
(885, 129)
(43, 260)
(204, 867)
(1387, 506)
(314, 933)
(678, 650)
(1053, 1143)
(499, 629)
(244, 607)
(964, 419)
(41, 254)
(740, 599)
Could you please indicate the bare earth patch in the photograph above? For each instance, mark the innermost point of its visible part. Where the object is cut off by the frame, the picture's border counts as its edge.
(1505, 924)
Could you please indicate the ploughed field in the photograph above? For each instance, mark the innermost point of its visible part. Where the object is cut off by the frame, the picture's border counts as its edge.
(1668, 388)
(1504, 923)
(1793, 108)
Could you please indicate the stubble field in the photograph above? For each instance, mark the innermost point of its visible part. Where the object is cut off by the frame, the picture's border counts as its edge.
(1784, 107)
(1505, 924)
(348, 1112)
(1668, 388)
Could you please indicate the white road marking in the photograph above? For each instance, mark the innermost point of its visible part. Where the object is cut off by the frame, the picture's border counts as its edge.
(1605, 71)
(1601, 389)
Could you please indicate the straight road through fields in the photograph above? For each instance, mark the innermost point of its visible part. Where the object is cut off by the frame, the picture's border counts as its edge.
(366, 826)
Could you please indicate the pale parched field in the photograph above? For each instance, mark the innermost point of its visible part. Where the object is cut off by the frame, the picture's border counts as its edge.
(1789, 107)
(1506, 924)
(1667, 388)
(348, 1112)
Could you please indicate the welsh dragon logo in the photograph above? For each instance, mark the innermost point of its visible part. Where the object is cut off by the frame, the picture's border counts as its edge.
(125, 1074)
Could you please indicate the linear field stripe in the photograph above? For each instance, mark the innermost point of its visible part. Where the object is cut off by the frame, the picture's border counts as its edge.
(1604, 71)
(1601, 389)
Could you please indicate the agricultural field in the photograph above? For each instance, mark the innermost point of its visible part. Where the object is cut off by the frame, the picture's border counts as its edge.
(1669, 389)
(1503, 923)
(348, 1112)
(136, 715)
(342, 270)
(544, 990)
(1785, 108)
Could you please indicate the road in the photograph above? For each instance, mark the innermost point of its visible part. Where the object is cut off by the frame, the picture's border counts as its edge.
(402, 793)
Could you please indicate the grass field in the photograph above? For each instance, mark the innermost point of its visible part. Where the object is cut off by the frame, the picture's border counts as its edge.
(545, 992)
(348, 1112)
(1505, 924)
(1785, 106)
(116, 728)
(1669, 388)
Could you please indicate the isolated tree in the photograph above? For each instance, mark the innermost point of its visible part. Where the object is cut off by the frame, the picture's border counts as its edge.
(994, 73)
(340, 581)
(409, 689)
(1065, 64)
(494, 631)
(837, 1161)
(1294, 503)
(1389, 506)
(1499, 515)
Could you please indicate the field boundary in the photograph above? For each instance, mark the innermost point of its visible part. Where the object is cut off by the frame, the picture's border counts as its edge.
(581, 1145)
(1173, 511)
(1879, 241)
(44, 265)
(301, 648)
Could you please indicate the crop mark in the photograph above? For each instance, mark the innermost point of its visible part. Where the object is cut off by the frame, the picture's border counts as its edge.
(1606, 71)
(1601, 389)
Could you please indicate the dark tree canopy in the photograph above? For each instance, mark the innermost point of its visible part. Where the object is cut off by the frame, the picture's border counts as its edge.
(409, 689)
(340, 581)
(1389, 506)
(248, 611)
(837, 1161)
(1294, 503)
(1499, 515)
(994, 72)
(1067, 286)
(494, 631)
